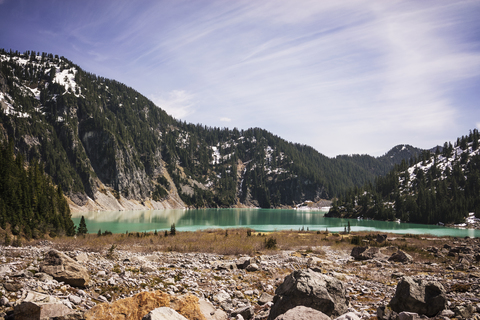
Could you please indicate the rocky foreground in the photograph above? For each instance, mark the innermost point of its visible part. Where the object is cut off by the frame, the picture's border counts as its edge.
(329, 282)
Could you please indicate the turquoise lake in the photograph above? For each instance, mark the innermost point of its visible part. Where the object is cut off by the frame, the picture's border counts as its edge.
(261, 220)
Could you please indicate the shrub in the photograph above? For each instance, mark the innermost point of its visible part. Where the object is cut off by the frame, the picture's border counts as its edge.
(111, 251)
(270, 243)
(7, 241)
(355, 240)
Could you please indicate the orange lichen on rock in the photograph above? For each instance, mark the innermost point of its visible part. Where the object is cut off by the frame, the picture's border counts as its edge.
(136, 307)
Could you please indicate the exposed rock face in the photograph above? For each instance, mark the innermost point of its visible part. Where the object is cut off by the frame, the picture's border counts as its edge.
(310, 289)
(422, 297)
(136, 307)
(64, 268)
(303, 313)
(40, 306)
(115, 165)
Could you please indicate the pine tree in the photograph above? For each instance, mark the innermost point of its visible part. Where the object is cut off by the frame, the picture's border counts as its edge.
(82, 227)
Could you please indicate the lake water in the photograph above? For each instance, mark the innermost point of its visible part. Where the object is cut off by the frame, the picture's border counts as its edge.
(261, 220)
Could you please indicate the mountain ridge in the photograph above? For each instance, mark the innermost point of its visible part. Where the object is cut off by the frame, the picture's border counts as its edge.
(440, 187)
(109, 147)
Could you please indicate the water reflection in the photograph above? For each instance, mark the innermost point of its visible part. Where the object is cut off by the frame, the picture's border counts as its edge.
(261, 220)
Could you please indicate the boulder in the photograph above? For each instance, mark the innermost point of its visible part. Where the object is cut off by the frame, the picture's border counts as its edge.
(419, 296)
(136, 307)
(146, 268)
(223, 265)
(400, 256)
(252, 267)
(381, 238)
(408, 316)
(265, 298)
(303, 313)
(310, 289)
(3, 301)
(209, 311)
(40, 306)
(63, 268)
(221, 296)
(12, 287)
(364, 253)
(163, 313)
(348, 316)
(4, 270)
(464, 312)
(243, 262)
(386, 313)
(245, 312)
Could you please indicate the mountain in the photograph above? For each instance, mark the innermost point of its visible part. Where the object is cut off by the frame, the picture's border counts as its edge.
(379, 166)
(110, 148)
(441, 187)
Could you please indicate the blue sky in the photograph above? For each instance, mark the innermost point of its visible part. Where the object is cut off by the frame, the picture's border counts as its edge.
(353, 76)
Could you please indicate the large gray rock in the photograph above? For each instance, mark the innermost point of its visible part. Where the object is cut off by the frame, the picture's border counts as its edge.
(246, 312)
(400, 256)
(243, 262)
(364, 253)
(40, 306)
(348, 316)
(63, 268)
(419, 296)
(252, 267)
(303, 313)
(265, 298)
(310, 289)
(163, 313)
(209, 311)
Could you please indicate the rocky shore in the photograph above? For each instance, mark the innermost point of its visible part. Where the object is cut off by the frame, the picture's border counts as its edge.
(41, 282)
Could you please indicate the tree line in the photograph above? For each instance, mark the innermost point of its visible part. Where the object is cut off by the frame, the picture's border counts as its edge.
(436, 187)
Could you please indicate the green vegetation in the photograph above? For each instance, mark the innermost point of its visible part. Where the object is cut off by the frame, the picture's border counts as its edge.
(94, 128)
(30, 205)
(437, 187)
(82, 227)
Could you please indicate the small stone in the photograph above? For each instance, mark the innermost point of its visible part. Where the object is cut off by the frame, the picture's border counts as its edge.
(163, 313)
(252, 267)
(408, 316)
(348, 316)
(3, 301)
(75, 299)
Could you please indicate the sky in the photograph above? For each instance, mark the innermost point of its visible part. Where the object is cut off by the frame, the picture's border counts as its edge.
(345, 77)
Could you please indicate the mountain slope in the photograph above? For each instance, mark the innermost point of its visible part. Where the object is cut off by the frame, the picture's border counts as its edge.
(440, 187)
(109, 147)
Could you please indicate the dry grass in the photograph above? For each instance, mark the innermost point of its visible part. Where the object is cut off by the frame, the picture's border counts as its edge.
(237, 241)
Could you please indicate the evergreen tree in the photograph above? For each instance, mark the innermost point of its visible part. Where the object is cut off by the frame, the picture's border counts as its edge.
(82, 227)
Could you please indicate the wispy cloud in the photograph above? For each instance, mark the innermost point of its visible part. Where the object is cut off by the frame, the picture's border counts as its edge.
(177, 103)
(355, 76)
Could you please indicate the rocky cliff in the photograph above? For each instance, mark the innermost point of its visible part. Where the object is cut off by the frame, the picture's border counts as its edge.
(110, 148)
